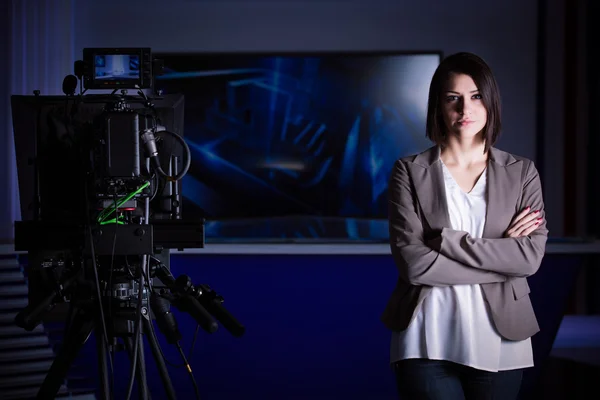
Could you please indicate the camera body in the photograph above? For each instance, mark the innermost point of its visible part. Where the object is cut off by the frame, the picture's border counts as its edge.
(92, 180)
(100, 186)
(117, 156)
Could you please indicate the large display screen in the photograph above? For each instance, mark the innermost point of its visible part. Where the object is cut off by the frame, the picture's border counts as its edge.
(297, 146)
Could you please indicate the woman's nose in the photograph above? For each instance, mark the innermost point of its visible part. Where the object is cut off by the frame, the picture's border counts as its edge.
(464, 107)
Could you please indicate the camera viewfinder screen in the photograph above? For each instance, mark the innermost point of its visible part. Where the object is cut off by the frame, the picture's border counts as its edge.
(116, 67)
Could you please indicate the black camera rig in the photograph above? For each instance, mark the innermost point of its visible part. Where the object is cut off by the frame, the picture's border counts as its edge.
(100, 188)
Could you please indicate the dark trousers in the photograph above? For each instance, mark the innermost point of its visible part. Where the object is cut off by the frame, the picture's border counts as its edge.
(420, 379)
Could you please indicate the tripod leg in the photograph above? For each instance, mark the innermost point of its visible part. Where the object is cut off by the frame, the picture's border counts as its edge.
(140, 370)
(158, 358)
(80, 330)
(141, 367)
(103, 367)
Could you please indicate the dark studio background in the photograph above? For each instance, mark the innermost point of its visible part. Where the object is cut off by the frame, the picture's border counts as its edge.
(312, 311)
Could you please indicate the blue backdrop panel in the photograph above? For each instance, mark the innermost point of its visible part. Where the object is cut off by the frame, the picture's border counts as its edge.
(313, 328)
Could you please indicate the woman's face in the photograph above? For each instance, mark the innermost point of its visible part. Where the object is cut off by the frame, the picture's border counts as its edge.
(465, 114)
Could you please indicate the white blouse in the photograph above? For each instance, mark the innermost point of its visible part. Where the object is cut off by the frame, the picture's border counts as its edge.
(454, 322)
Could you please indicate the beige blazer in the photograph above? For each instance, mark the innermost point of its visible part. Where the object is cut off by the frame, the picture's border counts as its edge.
(428, 253)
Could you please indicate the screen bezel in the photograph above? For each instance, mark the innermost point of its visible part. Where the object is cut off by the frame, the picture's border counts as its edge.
(90, 81)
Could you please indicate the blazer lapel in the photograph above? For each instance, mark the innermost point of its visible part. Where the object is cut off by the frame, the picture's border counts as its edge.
(428, 178)
(503, 190)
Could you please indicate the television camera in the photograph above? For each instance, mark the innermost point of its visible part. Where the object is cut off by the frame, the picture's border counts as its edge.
(100, 188)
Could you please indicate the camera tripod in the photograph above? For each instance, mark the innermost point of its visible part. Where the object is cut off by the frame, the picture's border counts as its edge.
(129, 322)
(128, 319)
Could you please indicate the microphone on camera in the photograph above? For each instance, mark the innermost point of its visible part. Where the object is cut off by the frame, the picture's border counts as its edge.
(69, 85)
(79, 69)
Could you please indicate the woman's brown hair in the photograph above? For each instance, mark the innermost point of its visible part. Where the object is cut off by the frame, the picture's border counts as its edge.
(474, 66)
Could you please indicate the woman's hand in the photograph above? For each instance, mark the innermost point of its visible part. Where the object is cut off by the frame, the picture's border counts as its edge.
(523, 223)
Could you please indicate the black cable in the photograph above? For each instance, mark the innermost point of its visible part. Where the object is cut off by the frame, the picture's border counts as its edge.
(155, 259)
(150, 140)
(162, 354)
(156, 184)
(161, 183)
(136, 334)
(189, 369)
(98, 293)
(153, 330)
(100, 306)
(110, 274)
(145, 262)
(194, 340)
(191, 351)
(68, 321)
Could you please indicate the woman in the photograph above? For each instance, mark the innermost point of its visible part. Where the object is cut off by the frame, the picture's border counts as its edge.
(467, 228)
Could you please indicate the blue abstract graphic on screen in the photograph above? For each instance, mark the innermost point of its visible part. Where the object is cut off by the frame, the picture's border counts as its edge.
(297, 146)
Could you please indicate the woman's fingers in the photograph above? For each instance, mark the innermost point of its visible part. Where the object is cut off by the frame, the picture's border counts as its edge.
(515, 221)
(535, 224)
(527, 219)
(525, 228)
(518, 224)
(520, 215)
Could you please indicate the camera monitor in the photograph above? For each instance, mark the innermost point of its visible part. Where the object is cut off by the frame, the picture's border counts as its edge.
(117, 68)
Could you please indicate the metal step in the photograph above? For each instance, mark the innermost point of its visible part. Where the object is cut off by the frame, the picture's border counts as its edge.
(26, 357)
(7, 317)
(16, 289)
(29, 367)
(9, 264)
(13, 303)
(83, 396)
(12, 276)
(31, 340)
(23, 380)
(13, 330)
(87, 396)
(31, 392)
(34, 366)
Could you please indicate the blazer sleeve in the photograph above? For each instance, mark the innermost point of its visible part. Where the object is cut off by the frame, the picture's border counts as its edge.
(418, 264)
(520, 257)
